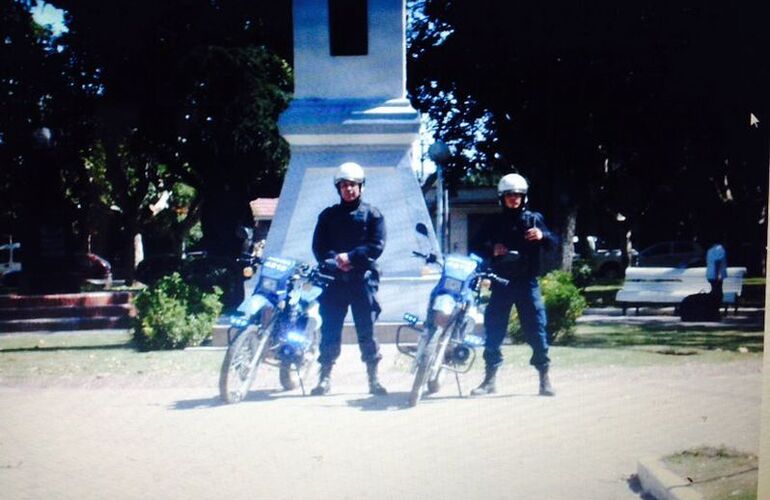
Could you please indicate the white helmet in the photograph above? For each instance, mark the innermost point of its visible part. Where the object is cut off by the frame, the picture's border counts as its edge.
(349, 171)
(512, 183)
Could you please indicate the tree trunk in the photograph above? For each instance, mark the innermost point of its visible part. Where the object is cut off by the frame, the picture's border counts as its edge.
(138, 249)
(566, 236)
(626, 246)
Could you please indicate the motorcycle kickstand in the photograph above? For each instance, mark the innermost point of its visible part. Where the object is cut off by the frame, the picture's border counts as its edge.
(459, 387)
(301, 382)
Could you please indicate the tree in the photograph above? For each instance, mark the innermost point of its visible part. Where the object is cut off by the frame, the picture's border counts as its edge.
(31, 76)
(174, 92)
(618, 107)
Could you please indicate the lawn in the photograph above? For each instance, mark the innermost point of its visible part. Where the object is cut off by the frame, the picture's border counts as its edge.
(93, 355)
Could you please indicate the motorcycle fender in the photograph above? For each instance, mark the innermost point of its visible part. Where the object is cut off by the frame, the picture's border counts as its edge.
(314, 320)
(253, 305)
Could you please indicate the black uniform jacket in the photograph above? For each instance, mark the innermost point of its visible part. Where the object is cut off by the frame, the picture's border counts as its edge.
(356, 228)
(509, 228)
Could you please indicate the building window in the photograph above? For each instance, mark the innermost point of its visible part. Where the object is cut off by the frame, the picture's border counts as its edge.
(348, 28)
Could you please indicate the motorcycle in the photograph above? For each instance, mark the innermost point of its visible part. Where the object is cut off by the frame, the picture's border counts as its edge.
(446, 341)
(278, 324)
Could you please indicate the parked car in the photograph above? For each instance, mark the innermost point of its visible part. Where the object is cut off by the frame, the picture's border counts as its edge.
(89, 268)
(604, 262)
(672, 254)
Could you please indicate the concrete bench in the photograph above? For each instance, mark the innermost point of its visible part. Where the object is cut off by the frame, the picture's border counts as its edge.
(666, 286)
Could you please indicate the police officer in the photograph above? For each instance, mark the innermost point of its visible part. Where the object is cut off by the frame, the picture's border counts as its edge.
(352, 233)
(514, 239)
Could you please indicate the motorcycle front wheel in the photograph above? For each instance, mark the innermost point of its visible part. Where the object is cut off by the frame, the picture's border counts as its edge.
(424, 363)
(435, 372)
(240, 364)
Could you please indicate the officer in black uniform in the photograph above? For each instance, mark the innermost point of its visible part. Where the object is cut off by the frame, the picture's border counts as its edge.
(513, 240)
(352, 233)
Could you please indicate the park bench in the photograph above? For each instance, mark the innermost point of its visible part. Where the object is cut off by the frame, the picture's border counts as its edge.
(666, 286)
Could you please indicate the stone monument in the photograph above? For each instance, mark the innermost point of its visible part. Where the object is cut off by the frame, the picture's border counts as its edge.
(350, 105)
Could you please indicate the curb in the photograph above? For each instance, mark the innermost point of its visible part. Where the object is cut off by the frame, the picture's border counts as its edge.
(657, 480)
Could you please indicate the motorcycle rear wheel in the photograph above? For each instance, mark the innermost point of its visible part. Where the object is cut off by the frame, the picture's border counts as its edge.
(240, 364)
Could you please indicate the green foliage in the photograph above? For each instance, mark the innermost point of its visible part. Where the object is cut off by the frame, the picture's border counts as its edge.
(216, 273)
(172, 314)
(142, 98)
(607, 141)
(563, 305)
(582, 274)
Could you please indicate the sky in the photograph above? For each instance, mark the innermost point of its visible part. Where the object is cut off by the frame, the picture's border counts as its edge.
(46, 14)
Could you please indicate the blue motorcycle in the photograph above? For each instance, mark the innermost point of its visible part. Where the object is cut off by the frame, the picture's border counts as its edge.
(278, 324)
(446, 340)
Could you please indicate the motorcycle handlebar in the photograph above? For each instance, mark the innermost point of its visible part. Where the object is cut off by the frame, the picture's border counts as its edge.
(248, 259)
(324, 277)
(429, 258)
(319, 272)
(497, 279)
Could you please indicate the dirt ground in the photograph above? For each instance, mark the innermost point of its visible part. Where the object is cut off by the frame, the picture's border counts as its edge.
(173, 439)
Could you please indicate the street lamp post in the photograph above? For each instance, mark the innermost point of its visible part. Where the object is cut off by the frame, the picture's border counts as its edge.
(439, 153)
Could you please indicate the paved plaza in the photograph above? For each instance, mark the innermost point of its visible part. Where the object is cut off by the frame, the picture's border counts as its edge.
(171, 438)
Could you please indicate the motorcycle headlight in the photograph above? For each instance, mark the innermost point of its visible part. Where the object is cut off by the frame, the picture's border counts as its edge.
(248, 272)
(443, 307)
(239, 321)
(296, 337)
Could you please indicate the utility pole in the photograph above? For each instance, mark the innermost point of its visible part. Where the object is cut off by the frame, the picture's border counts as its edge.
(439, 153)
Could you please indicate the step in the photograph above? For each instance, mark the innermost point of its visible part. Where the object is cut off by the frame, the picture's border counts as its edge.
(117, 310)
(65, 324)
(66, 311)
(66, 299)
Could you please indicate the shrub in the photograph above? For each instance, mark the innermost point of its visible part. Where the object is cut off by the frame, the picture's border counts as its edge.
(203, 272)
(582, 274)
(212, 272)
(172, 314)
(563, 305)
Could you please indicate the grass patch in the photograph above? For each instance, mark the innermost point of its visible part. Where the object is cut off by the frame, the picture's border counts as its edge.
(717, 473)
(688, 337)
(93, 355)
(646, 345)
(88, 355)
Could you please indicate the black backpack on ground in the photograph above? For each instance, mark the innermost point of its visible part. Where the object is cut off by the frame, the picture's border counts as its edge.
(699, 307)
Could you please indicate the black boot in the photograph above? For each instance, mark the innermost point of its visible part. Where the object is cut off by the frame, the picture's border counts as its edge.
(324, 381)
(545, 381)
(374, 384)
(488, 385)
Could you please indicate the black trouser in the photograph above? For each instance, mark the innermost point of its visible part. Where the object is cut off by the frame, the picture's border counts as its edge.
(716, 291)
(525, 294)
(360, 295)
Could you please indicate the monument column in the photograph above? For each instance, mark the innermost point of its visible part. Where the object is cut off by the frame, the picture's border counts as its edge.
(350, 105)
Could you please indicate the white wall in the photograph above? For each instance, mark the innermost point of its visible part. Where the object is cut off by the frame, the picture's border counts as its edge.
(380, 74)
